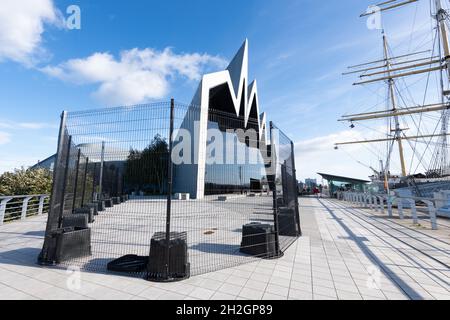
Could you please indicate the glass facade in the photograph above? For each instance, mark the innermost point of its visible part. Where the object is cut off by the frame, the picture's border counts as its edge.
(234, 163)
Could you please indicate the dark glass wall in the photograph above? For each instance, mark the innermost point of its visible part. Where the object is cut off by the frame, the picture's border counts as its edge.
(234, 164)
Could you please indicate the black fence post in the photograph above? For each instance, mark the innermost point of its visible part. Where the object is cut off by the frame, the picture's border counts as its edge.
(169, 188)
(83, 194)
(273, 155)
(64, 181)
(77, 171)
(294, 178)
(53, 214)
(284, 183)
(93, 181)
(117, 187)
(100, 179)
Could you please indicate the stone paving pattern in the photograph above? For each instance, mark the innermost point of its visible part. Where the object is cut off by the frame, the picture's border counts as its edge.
(345, 253)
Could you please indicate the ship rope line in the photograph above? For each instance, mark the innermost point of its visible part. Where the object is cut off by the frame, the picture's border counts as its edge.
(383, 97)
(358, 161)
(439, 158)
(399, 92)
(376, 152)
(365, 146)
(418, 126)
(423, 103)
(428, 143)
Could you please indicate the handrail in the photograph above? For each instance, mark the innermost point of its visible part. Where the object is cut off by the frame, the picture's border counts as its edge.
(362, 198)
(23, 196)
(19, 207)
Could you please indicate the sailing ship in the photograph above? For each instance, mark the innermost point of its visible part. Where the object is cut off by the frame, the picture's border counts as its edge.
(392, 71)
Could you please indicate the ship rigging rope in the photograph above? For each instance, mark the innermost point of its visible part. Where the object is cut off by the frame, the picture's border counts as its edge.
(399, 93)
(413, 27)
(429, 143)
(419, 132)
(439, 157)
(423, 103)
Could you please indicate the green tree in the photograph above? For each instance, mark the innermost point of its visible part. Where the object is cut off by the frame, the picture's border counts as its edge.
(148, 168)
(23, 182)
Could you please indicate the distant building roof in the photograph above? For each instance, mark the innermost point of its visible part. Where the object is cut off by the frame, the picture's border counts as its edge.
(46, 163)
(331, 177)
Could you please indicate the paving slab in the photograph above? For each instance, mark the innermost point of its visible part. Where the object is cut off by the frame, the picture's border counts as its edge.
(346, 253)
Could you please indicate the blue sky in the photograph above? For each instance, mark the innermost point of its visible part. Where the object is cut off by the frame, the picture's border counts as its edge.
(298, 49)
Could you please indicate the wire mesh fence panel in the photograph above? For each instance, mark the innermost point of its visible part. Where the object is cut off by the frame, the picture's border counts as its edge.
(236, 194)
(124, 145)
(165, 190)
(286, 189)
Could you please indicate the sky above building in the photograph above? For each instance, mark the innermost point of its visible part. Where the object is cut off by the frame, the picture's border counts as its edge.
(136, 51)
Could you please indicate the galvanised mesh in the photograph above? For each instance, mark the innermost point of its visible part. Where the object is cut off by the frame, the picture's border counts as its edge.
(232, 186)
(286, 188)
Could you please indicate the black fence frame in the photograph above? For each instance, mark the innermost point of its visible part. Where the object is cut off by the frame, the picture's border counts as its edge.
(88, 196)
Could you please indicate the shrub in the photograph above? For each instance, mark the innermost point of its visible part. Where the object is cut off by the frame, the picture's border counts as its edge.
(23, 182)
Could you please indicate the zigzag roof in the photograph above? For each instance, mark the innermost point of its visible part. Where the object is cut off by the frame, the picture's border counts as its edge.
(236, 76)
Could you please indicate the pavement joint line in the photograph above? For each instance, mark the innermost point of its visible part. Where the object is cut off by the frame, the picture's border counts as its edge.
(326, 251)
(396, 273)
(65, 288)
(341, 207)
(396, 238)
(374, 257)
(328, 264)
(346, 268)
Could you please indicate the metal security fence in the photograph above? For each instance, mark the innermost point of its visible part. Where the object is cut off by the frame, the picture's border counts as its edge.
(286, 188)
(135, 192)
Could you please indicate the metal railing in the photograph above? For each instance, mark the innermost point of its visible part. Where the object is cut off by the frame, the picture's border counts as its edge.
(377, 203)
(22, 206)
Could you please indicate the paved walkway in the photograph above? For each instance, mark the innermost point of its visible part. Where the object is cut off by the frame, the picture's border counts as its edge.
(345, 253)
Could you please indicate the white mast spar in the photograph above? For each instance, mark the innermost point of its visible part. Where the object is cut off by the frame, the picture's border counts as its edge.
(397, 131)
(441, 152)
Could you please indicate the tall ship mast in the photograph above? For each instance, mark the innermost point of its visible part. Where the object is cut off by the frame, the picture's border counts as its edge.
(428, 120)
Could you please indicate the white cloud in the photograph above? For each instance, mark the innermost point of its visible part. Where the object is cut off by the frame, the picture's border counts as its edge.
(7, 124)
(33, 125)
(4, 137)
(21, 28)
(318, 155)
(137, 75)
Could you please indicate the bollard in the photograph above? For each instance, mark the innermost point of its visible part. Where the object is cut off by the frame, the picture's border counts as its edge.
(400, 208)
(369, 202)
(375, 204)
(3, 209)
(41, 204)
(413, 210)
(381, 199)
(25, 207)
(432, 211)
(389, 201)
